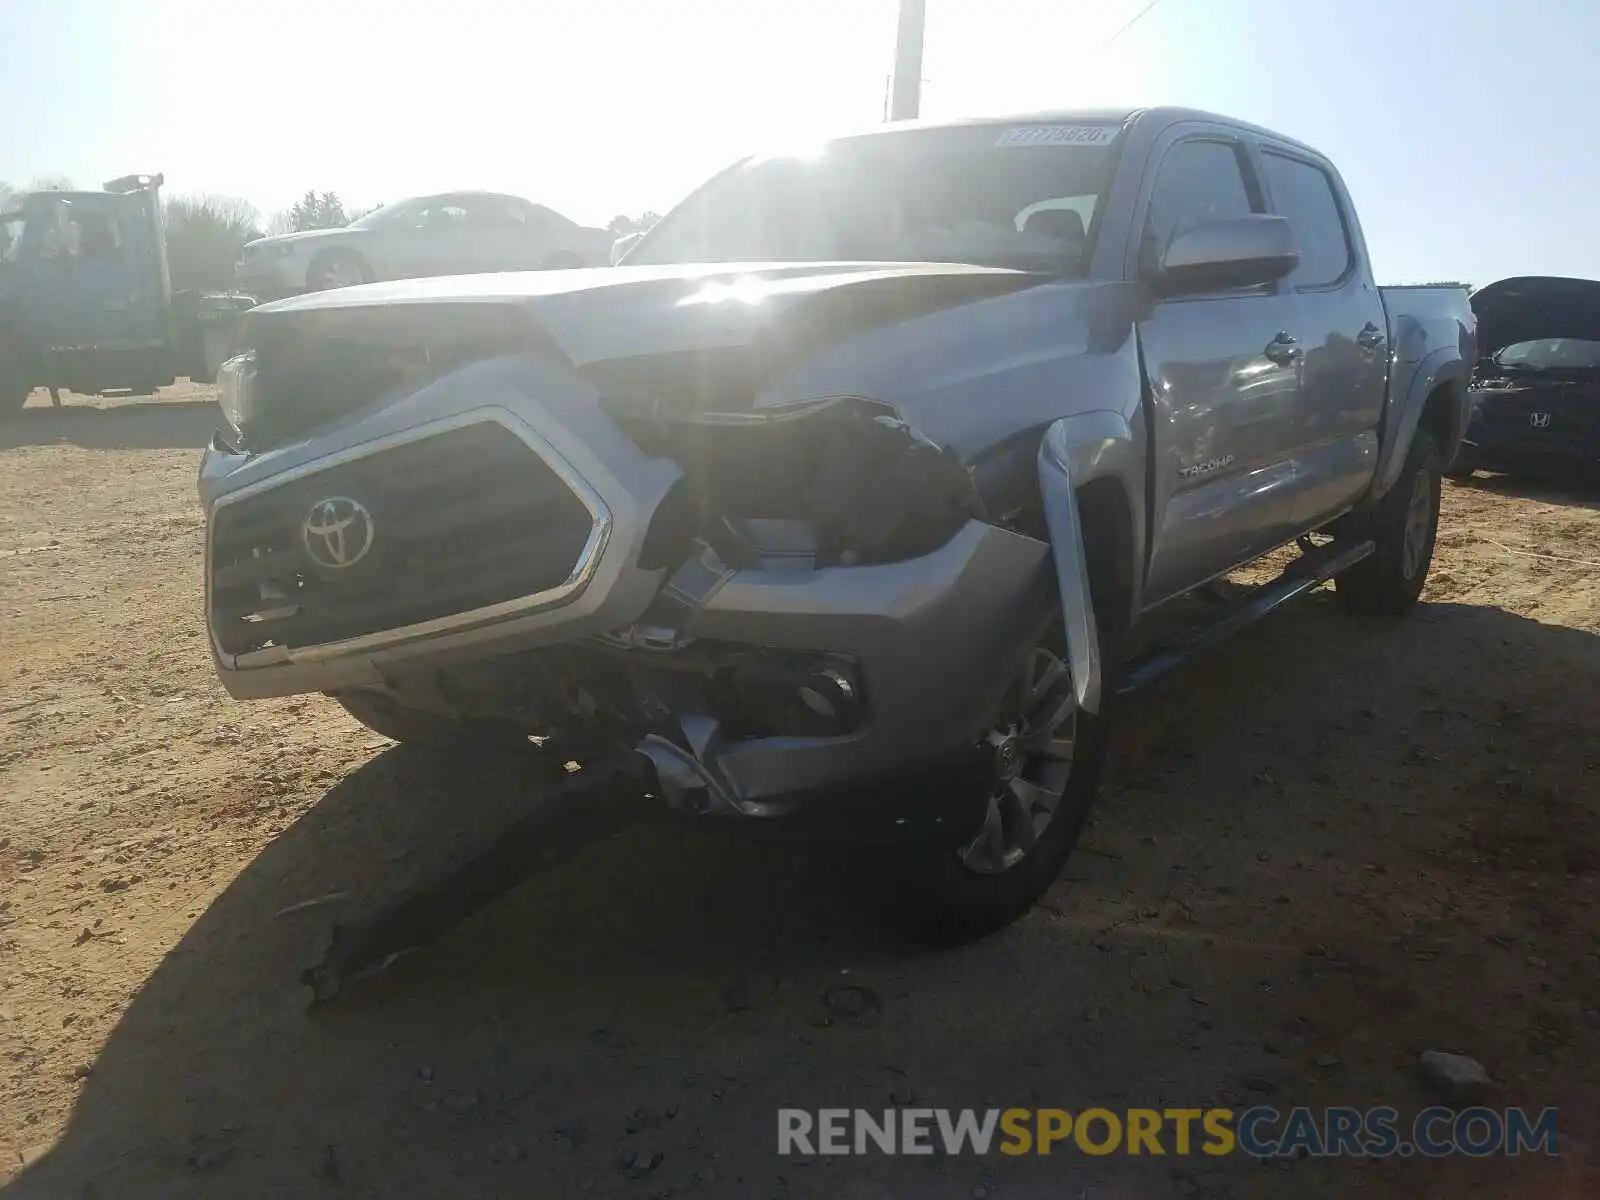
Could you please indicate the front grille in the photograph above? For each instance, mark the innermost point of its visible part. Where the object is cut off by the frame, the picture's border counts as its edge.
(1571, 417)
(459, 520)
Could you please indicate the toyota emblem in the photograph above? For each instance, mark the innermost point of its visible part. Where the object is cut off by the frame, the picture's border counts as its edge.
(337, 532)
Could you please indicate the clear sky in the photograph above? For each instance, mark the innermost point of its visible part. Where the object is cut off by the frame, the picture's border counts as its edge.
(1464, 128)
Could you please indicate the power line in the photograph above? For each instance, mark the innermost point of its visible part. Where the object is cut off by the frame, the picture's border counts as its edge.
(1132, 21)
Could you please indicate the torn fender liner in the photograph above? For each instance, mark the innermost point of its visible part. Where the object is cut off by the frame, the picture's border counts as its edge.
(1072, 566)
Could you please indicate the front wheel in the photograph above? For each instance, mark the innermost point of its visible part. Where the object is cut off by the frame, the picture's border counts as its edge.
(1404, 527)
(15, 386)
(1047, 759)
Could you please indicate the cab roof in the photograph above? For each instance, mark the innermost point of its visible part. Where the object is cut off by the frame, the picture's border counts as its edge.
(1160, 115)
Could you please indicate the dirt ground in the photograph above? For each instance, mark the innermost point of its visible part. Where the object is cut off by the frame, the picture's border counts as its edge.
(1325, 848)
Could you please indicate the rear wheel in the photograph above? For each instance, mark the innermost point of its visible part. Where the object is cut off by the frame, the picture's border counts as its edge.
(1404, 527)
(1047, 758)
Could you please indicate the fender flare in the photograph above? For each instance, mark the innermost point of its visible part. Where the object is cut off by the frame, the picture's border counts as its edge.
(1443, 366)
(1074, 452)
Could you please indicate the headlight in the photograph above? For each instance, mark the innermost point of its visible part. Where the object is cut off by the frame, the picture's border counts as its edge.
(236, 385)
(269, 250)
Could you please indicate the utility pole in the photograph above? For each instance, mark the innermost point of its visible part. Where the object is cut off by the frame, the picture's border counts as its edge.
(906, 96)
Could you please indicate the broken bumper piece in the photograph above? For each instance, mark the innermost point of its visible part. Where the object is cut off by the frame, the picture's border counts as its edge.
(902, 655)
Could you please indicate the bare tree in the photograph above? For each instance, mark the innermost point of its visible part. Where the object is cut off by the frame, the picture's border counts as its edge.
(622, 224)
(44, 183)
(204, 237)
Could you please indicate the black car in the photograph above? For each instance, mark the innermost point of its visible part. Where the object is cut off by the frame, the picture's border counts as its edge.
(1535, 393)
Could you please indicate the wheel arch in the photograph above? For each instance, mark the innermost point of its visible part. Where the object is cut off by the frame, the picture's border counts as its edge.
(1435, 400)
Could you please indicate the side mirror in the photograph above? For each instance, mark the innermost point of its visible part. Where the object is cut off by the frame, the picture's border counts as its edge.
(1234, 252)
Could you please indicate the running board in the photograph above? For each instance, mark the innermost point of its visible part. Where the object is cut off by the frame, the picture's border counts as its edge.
(1299, 577)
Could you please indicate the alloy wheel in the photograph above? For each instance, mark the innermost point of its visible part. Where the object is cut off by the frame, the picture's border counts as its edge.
(1033, 747)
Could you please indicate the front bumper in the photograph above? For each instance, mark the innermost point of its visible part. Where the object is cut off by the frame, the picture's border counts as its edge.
(935, 638)
(1519, 457)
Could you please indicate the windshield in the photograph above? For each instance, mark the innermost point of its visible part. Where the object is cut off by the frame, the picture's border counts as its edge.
(1552, 353)
(991, 195)
(401, 212)
(11, 226)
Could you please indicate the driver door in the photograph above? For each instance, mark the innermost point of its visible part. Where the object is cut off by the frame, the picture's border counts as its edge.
(1225, 380)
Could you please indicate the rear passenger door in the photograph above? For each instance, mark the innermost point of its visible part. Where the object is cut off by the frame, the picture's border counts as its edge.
(1343, 329)
(1224, 372)
(434, 241)
(499, 235)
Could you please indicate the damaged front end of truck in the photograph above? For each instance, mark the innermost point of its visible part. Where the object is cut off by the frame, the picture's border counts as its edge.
(436, 514)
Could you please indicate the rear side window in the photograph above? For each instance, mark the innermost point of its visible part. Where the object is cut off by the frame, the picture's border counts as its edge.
(1198, 181)
(1304, 194)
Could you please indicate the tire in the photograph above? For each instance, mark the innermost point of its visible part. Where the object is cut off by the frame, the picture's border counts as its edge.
(1404, 527)
(952, 895)
(413, 727)
(15, 386)
(337, 269)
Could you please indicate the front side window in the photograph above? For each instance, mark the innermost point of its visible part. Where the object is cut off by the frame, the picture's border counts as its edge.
(1304, 194)
(988, 195)
(99, 237)
(1198, 181)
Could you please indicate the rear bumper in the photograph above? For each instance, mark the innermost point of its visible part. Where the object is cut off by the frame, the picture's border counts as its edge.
(934, 639)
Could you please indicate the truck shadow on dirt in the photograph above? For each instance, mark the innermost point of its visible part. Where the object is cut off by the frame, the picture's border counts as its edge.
(131, 425)
(1570, 490)
(631, 1022)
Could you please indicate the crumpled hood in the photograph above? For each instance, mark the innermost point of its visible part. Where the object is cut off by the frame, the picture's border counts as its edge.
(949, 347)
(610, 314)
(1529, 307)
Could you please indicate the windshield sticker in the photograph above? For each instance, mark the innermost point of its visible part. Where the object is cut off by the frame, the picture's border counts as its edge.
(1058, 135)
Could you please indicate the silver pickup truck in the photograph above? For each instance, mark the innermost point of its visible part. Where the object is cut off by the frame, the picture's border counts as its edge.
(833, 506)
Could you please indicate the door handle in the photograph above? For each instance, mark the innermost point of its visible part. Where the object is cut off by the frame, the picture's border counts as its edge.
(1284, 349)
(1370, 337)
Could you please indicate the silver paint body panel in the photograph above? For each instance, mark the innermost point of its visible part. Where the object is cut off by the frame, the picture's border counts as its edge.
(1221, 452)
